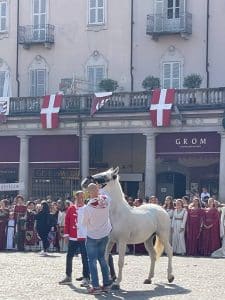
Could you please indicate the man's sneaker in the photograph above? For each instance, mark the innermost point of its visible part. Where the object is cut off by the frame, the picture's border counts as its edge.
(66, 280)
(107, 288)
(43, 253)
(85, 282)
(95, 291)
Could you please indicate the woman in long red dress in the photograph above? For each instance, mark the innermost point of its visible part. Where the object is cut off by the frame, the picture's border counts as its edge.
(193, 227)
(210, 235)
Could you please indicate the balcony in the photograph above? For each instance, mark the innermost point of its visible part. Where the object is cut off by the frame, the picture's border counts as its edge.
(41, 34)
(160, 24)
(131, 103)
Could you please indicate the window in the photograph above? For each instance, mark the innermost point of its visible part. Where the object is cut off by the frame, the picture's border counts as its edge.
(37, 82)
(173, 9)
(96, 12)
(171, 75)
(2, 81)
(39, 19)
(3, 16)
(95, 75)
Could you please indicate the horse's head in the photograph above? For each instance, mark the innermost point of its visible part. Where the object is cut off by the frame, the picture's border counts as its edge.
(101, 178)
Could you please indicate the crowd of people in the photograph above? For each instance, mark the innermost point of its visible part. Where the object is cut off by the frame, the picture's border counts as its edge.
(82, 226)
(197, 223)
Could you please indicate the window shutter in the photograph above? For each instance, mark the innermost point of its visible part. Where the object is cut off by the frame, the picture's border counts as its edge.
(166, 75)
(33, 83)
(176, 75)
(158, 16)
(3, 16)
(99, 75)
(41, 80)
(90, 71)
(2, 81)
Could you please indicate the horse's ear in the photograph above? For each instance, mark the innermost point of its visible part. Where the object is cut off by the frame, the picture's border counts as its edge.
(116, 171)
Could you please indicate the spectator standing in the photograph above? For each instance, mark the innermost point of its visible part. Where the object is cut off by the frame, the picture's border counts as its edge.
(210, 234)
(193, 227)
(43, 226)
(4, 214)
(10, 232)
(178, 228)
(75, 234)
(20, 210)
(96, 219)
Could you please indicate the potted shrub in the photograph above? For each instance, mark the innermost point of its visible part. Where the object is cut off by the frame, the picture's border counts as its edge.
(108, 85)
(151, 83)
(192, 81)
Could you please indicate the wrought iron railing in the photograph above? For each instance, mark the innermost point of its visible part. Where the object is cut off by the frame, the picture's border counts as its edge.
(126, 102)
(158, 24)
(36, 34)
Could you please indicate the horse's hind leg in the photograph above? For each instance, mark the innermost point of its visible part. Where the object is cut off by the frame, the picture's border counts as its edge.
(152, 254)
(169, 251)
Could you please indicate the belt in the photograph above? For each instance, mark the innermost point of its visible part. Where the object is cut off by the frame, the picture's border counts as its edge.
(178, 218)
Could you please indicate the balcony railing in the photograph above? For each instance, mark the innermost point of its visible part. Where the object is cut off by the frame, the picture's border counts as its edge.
(136, 102)
(160, 24)
(36, 34)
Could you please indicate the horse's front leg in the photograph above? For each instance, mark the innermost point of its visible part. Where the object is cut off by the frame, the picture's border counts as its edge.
(109, 247)
(122, 251)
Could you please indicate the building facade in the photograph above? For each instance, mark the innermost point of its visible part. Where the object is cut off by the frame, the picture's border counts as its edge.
(47, 46)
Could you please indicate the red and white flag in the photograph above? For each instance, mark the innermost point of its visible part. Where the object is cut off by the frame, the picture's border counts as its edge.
(50, 111)
(99, 100)
(4, 109)
(160, 107)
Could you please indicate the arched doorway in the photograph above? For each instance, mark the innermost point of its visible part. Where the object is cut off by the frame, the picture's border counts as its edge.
(171, 183)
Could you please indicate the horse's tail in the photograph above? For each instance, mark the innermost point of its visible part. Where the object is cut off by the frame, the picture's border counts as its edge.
(159, 247)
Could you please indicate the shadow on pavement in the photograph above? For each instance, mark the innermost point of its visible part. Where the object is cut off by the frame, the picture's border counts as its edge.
(158, 290)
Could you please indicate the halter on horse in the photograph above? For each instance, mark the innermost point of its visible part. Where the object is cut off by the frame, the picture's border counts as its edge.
(134, 225)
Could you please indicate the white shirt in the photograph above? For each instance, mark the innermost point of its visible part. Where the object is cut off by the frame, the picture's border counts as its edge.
(96, 217)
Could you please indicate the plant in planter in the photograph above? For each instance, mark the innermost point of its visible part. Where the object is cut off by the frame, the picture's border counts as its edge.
(192, 81)
(108, 85)
(150, 83)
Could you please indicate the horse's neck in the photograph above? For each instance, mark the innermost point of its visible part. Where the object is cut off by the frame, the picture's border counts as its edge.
(118, 201)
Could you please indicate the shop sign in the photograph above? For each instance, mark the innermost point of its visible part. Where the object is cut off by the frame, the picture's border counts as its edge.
(11, 186)
(178, 143)
(57, 173)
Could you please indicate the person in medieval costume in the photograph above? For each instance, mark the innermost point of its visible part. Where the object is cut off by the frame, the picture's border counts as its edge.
(178, 228)
(210, 235)
(30, 234)
(20, 210)
(10, 232)
(4, 214)
(220, 253)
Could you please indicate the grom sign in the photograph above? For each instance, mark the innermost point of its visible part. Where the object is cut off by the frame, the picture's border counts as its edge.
(188, 143)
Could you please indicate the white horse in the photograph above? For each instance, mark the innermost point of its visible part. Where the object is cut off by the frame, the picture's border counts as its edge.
(134, 225)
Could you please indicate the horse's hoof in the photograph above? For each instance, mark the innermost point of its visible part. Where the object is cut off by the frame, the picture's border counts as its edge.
(171, 279)
(115, 287)
(147, 281)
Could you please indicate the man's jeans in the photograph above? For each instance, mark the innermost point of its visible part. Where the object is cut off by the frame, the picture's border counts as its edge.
(72, 250)
(96, 251)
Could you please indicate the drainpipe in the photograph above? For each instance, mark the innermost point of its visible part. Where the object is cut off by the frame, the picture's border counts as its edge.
(131, 46)
(207, 46)
(17, 48)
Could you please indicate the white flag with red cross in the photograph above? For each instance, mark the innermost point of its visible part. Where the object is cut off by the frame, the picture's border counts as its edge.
(50, 111)
(160, 107)
(99, 101)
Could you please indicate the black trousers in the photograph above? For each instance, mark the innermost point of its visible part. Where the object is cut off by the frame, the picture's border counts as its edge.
(73, 247)
(111, 266)
(44, 238)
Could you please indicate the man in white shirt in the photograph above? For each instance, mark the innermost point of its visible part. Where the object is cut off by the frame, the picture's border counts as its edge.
(96, 220)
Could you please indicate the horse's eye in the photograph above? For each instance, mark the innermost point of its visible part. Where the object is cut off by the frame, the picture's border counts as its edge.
(114, 177)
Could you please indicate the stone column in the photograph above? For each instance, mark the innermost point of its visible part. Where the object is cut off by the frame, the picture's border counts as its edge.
(150, 165)
(24, 165)
(222, 169)
(84, 156)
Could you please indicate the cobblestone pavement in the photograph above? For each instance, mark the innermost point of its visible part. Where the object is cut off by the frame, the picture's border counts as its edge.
(27, 276)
